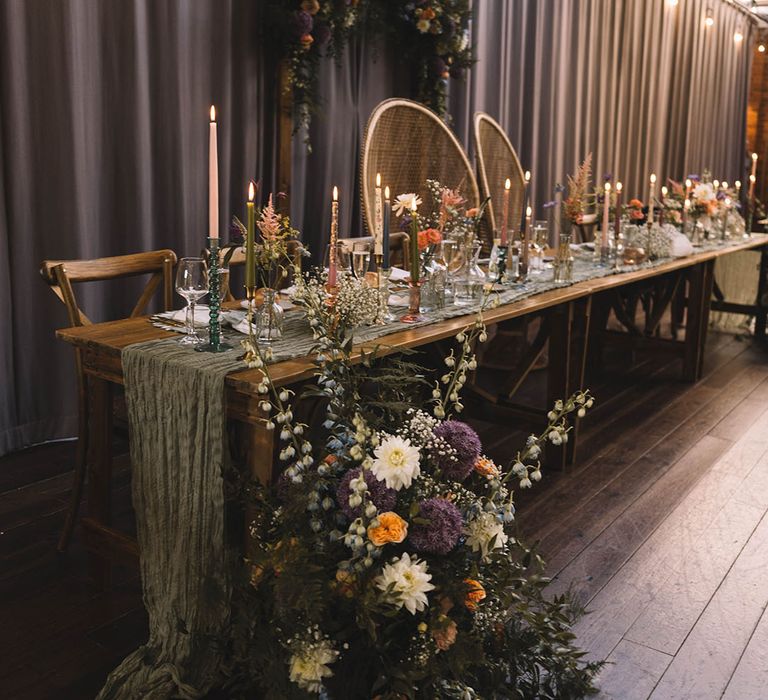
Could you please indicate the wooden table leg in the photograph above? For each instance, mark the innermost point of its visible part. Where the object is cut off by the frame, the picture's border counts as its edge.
(99, 511)
(580, 349)
(762, 310)
(558, 376)
(697, 319)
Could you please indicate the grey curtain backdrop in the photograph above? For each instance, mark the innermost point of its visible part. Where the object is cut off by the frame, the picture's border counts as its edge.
(103, 133)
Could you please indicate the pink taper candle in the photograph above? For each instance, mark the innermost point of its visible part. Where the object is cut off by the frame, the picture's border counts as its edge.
(505, 214)
(606, 215)
(213, 178)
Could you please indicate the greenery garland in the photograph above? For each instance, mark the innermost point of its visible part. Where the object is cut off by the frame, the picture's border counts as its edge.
(430, 35)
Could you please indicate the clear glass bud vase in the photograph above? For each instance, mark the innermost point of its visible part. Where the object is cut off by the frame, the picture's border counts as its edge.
(268, 318)
(435, 281)
(470, 278)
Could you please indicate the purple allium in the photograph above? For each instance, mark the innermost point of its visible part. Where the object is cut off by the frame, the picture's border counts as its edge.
(322, 33)
(383, 497)
(302, 23)
(457, 72)
(443, 531)
(466, 445)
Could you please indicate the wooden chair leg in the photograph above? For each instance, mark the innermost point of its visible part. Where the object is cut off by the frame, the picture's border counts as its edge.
(78, 478)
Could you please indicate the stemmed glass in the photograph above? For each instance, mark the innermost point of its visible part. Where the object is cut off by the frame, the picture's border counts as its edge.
(361, 258)
(192, 284)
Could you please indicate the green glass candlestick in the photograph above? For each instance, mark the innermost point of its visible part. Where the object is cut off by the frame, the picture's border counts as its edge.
(215, 343)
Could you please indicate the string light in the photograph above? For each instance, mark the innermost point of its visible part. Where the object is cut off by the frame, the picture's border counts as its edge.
(709, 20)
(761, 48)
(738, 37)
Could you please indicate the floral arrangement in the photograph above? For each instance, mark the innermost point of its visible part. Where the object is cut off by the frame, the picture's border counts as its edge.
(429, 34)
(580, 197)
(634, 210)
(384, 562)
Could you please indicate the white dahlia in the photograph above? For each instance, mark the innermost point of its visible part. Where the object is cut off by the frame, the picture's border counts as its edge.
(407, 581)
(481, 532)
(309, 666)
(396, 462)
(406, 203)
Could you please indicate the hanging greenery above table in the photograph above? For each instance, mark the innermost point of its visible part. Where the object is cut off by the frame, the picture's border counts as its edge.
(431, 35)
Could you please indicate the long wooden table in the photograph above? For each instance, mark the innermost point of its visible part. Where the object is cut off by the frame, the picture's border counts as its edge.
(101, 345)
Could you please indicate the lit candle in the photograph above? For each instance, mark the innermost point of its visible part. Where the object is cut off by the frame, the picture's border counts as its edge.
(727, 203)
(686, 207)
(385, 234)
(752, 180)
(332, 263)
(525, 199)
(524, 247)
(716, 184)
(250, 267)
(754, 166)
(688, 187)
(664, 192)
(606, 216)
(651, 198)
(378, 223)
(213, 178)
(737, 185)
(617, 224)
(505, 214)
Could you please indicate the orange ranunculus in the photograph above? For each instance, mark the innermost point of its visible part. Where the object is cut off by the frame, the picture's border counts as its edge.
(636, 214)
(428, 13)
(473, 212)
(429, 237)
(306, 40)
(475, 593)
(486, 467)
(330, 459)
(391, 528)
(635, 203)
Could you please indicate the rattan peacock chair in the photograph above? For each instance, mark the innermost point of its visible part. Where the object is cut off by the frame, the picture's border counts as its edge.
(408, 143)
(497, 161)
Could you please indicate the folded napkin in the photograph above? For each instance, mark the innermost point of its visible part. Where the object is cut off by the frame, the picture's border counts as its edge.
(202, 314)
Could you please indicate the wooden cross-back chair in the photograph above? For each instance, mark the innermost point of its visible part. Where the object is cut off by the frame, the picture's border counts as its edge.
(398, 247)
(61, 275)
(408, 143)
(497, 161)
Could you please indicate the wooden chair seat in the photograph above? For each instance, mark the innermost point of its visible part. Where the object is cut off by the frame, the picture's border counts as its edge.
(61, 276)
(398, 247)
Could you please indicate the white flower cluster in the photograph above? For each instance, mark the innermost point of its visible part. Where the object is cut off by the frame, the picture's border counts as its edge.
(419, 429)
(485, 533)
(455, 378)
(407, 582)
(310, 661)
(396, 462)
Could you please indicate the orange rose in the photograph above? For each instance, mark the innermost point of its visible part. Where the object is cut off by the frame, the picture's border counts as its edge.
(428, 13)
(475, 593)
(391, 528)
(429, 237)
(635, 203)
(486, 467)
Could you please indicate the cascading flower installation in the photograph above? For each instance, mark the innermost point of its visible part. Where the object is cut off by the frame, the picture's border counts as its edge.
(384, 563)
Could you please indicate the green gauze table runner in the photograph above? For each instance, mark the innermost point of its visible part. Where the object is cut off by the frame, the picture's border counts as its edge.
(177, 425)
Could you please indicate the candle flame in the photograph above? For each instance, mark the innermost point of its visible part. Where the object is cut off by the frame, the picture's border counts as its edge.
(378, 179)
(687, 204)
(251, 191)
(724, 184)
(528, 212)
(335, 193)
(737, 184)
(507, 184)
(752, 179)
(527, 176)
(664, 190)
(688, 182)
(716, 184)
(619, 186)
(607, 186)
(653, 178)
(386, 192)
(754, 156)
(213, 113)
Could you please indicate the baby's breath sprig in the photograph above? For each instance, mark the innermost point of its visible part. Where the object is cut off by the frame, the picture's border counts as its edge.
(556, 432)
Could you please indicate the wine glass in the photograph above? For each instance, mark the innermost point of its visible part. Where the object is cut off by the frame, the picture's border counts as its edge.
(361, 258)
(192, 284)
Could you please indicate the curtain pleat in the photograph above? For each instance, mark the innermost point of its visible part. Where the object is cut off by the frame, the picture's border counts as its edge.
(103, 134)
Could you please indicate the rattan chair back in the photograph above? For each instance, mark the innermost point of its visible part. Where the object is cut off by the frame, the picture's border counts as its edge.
(408, 143)
(497, 161)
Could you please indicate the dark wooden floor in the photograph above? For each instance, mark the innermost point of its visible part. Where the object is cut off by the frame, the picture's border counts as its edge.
(659, 528)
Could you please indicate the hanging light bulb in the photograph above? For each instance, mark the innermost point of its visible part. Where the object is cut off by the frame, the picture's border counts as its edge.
(738, 37)
(761, 48)
(709, 20)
